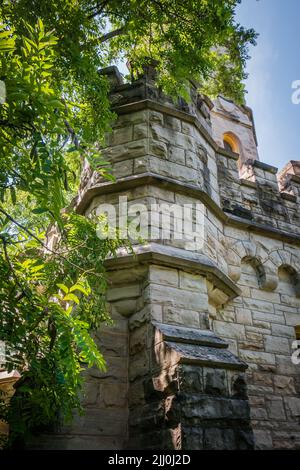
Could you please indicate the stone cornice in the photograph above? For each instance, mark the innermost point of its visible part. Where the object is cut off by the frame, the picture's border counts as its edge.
(142, 179)
(172, 257)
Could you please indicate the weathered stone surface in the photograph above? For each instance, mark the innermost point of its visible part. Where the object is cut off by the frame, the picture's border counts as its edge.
(293, 405)
(233, 302)
(275, 408)
(181, 316)
(206, 355)
(190, 336)
(215, 382)
(262, 439)
(219, 439)
(229, 330)
(276, 344)
(191, 379)
(284, 385)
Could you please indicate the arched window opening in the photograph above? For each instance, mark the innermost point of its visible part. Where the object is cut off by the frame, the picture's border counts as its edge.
(289, 281)
(230, 143)
(252, 272)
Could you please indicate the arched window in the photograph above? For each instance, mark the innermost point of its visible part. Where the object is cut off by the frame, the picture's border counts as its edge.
(230, 142)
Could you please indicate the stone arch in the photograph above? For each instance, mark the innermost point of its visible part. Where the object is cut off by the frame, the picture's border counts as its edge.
(293, 278)
(283, 259)
(258, 268)
(238, 251)
(279, 257)
(246, 250)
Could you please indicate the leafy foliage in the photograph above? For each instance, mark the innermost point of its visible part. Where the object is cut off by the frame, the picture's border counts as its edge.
(52, 120)
(191, 39)
(49, 304)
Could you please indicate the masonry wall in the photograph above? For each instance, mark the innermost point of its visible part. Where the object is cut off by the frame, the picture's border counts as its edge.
(200, 352)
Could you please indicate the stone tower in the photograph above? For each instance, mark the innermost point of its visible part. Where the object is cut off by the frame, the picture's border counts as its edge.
(199, 356)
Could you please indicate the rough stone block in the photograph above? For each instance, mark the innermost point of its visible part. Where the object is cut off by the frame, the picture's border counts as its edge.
(163, 276)
(184, 317)
(113, 394)
(121, 135)
(176, 155)
(276, 344)
(124, 292)
(192, 438)
(229, 330)
(293, 406)
(257, 357)
(140, 131)
(191, 379)
(215, 382)
(282, 330)
(243, 316)
(193, 282)
(262, 439)
(219, 439)
(275, 408)
(172, 122)
(284, 385)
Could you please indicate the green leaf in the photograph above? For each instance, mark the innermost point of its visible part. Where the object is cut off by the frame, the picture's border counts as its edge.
(80, 288)
(39, 210)
(72, 297)
(37, 268)
(62, 287)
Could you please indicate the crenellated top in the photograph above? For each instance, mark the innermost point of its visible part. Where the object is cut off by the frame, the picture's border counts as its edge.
(257, 192)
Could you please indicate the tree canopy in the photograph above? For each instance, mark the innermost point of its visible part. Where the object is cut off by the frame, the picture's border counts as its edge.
(54, 111)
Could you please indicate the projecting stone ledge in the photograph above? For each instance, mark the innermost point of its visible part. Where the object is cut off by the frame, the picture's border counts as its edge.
(194, 395)
(182, 334)
(200, 347)
(177, 258)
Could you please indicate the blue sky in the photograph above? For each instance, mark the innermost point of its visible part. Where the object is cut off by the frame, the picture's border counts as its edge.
(274, 65)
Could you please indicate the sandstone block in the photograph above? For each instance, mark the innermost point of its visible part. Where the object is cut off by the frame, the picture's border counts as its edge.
(276, 344)
(257, 357)
(293, 406)
(284, 385)
(140, 131)
(124, 292)
(193, 282)
(229, 330)
(163, 276)
(176, 155)
(243, 316)
(262, 439)
(275, 408)
(184, 317)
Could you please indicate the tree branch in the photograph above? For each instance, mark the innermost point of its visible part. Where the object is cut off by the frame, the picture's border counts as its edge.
(110, 35)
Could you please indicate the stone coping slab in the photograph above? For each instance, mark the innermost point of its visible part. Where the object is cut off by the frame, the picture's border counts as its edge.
(182, 334)
(207, 356)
